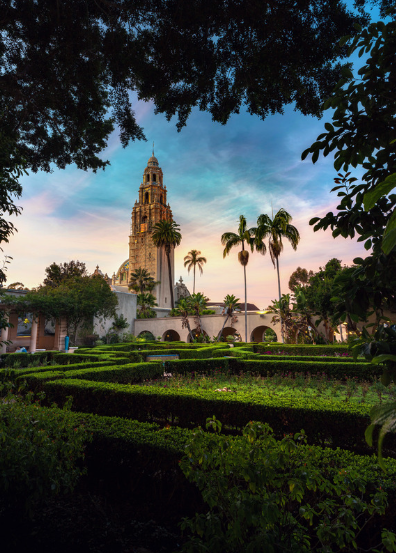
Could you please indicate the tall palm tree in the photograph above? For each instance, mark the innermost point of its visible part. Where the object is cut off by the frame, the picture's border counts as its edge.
(275, 229)
(230, 304)
(192, 260)
(197, 303)
(183, 309)
(166, 235)
(141, 281)
(243, 237)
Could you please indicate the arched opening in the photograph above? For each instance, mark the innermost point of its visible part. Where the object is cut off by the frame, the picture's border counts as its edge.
(146, 198)
(144, 219)
(147, 336)
(154, 177)
(203, 337)
(229, 331)
(171, 336)
(161, 199)
(263, 334)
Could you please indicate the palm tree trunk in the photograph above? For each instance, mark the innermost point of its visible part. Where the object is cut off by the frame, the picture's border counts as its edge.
(244, 274)
(189, 330)
(167, 252)
(279, 292)
(222, 328)
(194, 281)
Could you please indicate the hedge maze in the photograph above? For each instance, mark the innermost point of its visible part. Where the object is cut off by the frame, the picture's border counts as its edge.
(141, 422)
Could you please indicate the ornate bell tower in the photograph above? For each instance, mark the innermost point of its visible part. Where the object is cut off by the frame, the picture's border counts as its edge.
(151, 208)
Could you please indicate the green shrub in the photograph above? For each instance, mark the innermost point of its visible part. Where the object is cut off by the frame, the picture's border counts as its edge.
(135, 372)
(265, 495)
(302, 349)
(39, 452)
(326, 422)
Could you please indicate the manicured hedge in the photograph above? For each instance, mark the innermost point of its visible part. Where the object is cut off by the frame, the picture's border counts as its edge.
(12, 373)
(127, 437)
(123, 374)
(337, 370)
(326, 422)
(24, 359)
(302, 349)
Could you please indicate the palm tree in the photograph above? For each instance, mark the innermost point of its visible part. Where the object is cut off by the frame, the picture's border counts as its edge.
(197, 303)
(166, 235)
(230, 304)
(183, 310)
(275, 229)
(146, 302)
(141, 281)
(191, 260)
(242, 237)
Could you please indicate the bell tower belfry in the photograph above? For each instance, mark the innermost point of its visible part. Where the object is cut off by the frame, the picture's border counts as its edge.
(149, 209)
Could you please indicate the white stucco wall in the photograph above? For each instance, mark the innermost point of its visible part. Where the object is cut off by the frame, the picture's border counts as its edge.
(211, 324)
(126, 306)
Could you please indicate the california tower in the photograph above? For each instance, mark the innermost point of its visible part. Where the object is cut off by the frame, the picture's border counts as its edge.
(150, 208)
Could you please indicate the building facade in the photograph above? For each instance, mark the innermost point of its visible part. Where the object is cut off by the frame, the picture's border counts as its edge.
(151, 207)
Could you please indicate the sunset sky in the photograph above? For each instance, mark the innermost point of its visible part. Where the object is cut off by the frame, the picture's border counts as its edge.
(213, 174)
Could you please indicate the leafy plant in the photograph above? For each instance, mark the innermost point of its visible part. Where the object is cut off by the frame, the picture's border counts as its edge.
(40, 451)
(265, 495)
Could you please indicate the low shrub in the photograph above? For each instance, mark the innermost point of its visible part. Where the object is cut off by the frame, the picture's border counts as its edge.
(302, 349)
(132, 373)
(40, 450)
(321, 418)
(323, 509)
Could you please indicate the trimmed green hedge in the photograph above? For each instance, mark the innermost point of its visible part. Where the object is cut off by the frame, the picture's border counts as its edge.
(301, 349)
(24, 359)
(326, 422)
(12, 373)
(337, 370)
(124, 374)
(129, 437)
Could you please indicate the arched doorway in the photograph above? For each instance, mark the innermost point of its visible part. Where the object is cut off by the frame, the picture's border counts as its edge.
(201, 338)
(262, 334)
(229, 331)
(147, 336)
(171, 336)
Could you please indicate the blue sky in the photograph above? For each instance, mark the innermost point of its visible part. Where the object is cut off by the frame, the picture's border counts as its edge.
(213, 174)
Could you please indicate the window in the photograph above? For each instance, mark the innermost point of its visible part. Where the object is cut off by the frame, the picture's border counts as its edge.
(165, 299)
(146, 198)
(154, 177)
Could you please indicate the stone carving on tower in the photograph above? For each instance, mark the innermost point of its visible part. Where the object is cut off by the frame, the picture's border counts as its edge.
(150, 208)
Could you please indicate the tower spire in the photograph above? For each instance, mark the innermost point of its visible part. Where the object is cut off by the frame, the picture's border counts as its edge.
(153, 147)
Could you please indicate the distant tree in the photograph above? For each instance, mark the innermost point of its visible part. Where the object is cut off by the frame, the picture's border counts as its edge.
(197, 304)
(166, 235)
(56, 273)
(298, 278)
(16, 286)
(230, 304)
(275, 229)
(77, 300)
(146, 302)
(193, 260)
(141, 281)
(183, 310)
(244, 236)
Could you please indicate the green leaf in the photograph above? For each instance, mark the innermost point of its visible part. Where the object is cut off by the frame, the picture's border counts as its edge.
(389, 241)
(314, 220)
(383, 357)
(329, 127)
(382, 189)
(344, 40)
(389, 238)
